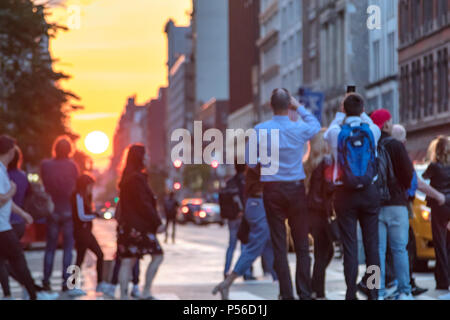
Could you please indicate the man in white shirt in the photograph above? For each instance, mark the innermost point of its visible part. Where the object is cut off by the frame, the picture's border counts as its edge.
(10, 247)
(353, 205)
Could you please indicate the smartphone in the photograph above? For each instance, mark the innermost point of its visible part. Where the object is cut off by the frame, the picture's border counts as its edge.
(351, 89)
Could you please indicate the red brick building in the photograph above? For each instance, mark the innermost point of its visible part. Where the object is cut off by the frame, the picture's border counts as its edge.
(424, 45)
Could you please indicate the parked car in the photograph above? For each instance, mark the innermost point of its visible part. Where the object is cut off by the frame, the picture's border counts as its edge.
(189, 207)
(209, 213)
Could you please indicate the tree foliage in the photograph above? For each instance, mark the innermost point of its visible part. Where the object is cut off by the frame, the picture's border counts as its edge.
(33, 106)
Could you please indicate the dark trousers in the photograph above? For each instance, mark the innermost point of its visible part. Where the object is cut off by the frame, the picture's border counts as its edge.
(171, 221)
(85, 240)
(352, 206)
(11, 252)
(5, 268)
(323, 250)
(441, 240)
(115, 276)
(287, 200)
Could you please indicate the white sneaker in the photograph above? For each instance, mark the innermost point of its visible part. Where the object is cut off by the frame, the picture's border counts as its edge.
(102, 287)
(136, 293)
(42, 295)
(404, 296)
(111, 290)
(75, 293)
(445, 297)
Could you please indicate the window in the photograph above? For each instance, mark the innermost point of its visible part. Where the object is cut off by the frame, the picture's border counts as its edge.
(428, 85)
(442, 81)
(405, 95)
(391, 53)
(372, 104)
(376, 60)
(442, 12)
(427, 15)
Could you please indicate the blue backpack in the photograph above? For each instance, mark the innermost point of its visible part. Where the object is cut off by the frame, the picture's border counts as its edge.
(357, 156)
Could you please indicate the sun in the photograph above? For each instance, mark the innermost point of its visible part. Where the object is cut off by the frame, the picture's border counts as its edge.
(96, 142)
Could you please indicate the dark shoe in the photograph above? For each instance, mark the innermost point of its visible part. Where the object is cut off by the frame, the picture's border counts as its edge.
(417, 291)
(46, 287)
(362, 288)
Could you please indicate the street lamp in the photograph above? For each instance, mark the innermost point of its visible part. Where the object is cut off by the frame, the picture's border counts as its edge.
(177, 164)
(215, 164)
(177, 186)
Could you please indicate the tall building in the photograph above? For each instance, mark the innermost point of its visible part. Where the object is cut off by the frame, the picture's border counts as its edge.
(210, 24)
(156, 133)
(311, 43)
(382, 90)
(424, 35)
(344, 51)
(270, 53)
(291, 44)
(244, 63)
(179, 42)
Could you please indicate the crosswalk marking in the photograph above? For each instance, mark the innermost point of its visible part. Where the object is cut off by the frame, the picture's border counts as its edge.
(244, 295)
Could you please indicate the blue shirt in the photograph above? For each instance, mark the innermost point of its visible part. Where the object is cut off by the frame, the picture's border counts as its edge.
(292, 137)
(20, 179)
(59, 177)
(5, 210)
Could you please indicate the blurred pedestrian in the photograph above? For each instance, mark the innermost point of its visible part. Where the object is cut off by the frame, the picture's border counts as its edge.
(139, 222)
(10, 248)
(83, 215)
(439, 174)
(59, 176)
(356, 197)
(284, 191)
(18, 224)
(232, 207)
(259, 241)
(394, 218)
(171, 206)
(319, 194)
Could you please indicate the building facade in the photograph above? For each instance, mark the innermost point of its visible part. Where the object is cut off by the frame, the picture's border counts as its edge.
(310, 47)
(179, 42)
(156, 135)
(424, 35)
(211, 50)
(291, 37)
(344, 52)
(269, 44)
(382, 90)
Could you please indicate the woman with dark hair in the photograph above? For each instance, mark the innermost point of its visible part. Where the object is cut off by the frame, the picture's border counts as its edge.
(82, 215)
(139, 222)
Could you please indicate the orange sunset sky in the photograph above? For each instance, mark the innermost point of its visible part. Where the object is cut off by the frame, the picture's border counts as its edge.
(119, 50)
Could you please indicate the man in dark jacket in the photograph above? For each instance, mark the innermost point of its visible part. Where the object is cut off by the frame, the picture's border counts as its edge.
(394, 219)
(170, 208)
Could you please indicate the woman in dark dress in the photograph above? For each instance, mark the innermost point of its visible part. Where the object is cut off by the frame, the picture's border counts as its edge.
(139, 222)
(439, 174)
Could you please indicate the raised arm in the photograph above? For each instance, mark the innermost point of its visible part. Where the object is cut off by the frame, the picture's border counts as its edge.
(310, 126)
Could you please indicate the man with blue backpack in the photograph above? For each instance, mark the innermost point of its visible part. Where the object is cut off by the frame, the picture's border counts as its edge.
(353, 138)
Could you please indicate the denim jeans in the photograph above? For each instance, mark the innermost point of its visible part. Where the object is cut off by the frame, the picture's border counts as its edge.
(259, 237)
(393, 224)
(54, 226)
(233, 227)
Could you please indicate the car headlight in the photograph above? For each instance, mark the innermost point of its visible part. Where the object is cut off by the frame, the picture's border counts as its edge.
(425, 213)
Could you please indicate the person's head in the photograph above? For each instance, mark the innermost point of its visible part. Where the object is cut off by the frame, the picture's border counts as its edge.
(280, 101)
(16, 162)
(240, 168)
(442, 153)
(85, 184)
(353, 105)
(399, 133)
(7, 149)
(62, 148)
(383, 119)
(134, 160)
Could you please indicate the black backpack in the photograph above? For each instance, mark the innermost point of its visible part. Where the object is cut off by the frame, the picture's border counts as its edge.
(229, 209)
(386, 175)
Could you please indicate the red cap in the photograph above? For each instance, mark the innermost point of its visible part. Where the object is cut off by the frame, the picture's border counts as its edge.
(380, 117)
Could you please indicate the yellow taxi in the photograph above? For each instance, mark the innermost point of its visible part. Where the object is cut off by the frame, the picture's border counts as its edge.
(420, 227)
